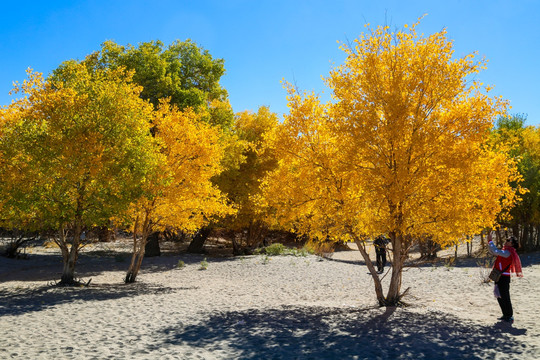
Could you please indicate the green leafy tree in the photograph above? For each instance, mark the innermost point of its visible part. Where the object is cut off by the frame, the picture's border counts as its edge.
(76, 150)
(184, 72)
(523, 144)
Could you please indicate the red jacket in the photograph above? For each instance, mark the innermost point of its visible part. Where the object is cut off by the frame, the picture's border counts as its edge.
(502, 263)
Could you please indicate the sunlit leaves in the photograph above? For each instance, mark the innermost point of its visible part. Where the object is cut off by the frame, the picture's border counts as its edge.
(180, 194)
(399, 150)
(76, 148)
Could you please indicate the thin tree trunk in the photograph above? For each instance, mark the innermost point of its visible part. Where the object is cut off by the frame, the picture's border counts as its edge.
(138, 248)
(376, 280)
(393, 298)
(136, 261)
(482, 242)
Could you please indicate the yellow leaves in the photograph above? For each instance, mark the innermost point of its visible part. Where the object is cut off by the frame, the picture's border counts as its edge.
(400, 148)
(179, 193)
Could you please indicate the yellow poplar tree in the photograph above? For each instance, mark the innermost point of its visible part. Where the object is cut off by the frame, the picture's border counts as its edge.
(242, 183)
(179, 194)
(73, 153)
(400, 151)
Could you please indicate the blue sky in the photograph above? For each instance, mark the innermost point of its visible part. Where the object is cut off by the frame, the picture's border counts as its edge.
(266, 41)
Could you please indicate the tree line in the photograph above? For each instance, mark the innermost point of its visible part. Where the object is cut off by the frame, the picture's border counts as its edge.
(143, 138)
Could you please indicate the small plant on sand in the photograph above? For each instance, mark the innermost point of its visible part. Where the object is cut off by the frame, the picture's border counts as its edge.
(484, 268)
(204, 265)
(266, 259)
(275, 249)
(302, 252)
(280, 249)
(180, 264)
(449, 263)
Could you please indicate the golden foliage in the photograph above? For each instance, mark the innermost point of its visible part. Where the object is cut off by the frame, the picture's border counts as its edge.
(399, 151)
(180, 194)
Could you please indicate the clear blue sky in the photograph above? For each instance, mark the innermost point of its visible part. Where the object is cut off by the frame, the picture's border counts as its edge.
(265, 41)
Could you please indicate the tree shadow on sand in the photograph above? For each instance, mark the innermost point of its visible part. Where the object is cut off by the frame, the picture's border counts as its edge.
(329, 333)
(19, 301)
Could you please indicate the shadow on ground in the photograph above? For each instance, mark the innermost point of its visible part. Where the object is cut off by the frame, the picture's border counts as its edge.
(20, 301)
(329, 333)
(48, 267)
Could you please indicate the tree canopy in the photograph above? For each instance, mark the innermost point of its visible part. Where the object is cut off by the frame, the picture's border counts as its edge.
(242, 182)
(399, 151)
(522, 143)
(74, 152)
(184, 72)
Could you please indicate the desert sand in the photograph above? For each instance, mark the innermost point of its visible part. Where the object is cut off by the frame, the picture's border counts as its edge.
(259, 307)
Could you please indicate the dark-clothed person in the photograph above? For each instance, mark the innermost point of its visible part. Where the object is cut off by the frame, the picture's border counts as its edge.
(380, 251)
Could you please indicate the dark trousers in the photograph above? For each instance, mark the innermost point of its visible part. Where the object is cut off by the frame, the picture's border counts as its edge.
(504, 300)
(381, 259)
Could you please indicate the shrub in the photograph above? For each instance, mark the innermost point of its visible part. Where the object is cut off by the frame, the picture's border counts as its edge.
(204, 264)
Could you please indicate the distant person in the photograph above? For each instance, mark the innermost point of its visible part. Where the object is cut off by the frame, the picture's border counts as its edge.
(380, 250)
(509, 263)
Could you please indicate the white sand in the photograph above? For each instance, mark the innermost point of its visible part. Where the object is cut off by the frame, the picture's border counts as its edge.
(253, 307)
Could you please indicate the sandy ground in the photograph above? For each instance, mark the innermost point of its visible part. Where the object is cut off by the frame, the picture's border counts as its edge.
(258, 307)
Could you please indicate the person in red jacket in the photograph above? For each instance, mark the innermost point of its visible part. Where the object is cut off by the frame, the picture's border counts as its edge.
(509, 263)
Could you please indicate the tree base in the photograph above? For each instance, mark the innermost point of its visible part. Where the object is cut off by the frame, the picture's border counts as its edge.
(72, 283)
(396, 302)
(130, 278)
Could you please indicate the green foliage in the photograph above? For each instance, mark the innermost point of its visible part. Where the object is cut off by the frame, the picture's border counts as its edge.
(523, 144)
(204, 265)
(181, 71)
(276, 249)
(180, 264)
(280, 249)
(76, 149)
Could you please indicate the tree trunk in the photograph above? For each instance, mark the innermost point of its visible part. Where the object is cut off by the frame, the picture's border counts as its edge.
(152, 245)
(68, 273)
(197, 244)
(376, 280)
(393, 298)
(138, 249)
(482, 242)
(70, 255)
(105, 234)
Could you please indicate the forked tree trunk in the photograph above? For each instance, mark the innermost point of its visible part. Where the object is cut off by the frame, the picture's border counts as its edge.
(70, 255)
(377, 281)
(136, 259)
(394, 295)
(138, 249)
